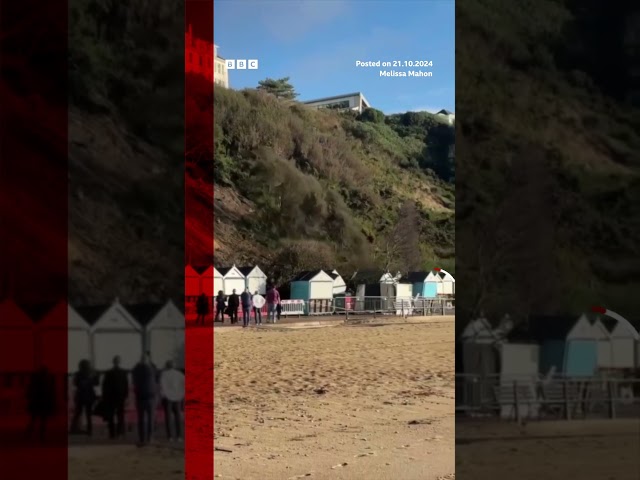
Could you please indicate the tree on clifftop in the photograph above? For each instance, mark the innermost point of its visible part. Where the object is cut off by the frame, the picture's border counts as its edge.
(280, 87)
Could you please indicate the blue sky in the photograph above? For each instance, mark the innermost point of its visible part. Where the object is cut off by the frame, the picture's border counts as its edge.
(317, 42)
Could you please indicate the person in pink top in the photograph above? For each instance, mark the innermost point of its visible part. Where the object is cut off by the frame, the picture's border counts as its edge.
(273, 300)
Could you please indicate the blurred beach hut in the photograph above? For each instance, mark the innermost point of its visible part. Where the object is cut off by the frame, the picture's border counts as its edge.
(339, 285)
(53, 343)
(447, 285)
(114, 331)
(581, 353)
(163, 331)
(17, 339)
(233, 279)
(78, 340)
(192, 283)
(623, 344)
(424, 284)
(255, 279)
(374, 290)
(210, 277)
(550, 332)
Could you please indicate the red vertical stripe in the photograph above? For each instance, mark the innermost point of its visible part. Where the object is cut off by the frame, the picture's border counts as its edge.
(33, 233)
(199, 236)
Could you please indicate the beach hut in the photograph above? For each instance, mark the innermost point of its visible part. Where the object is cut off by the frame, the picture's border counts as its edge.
(622, 339)
(581, 353)
(424, 284)
(601, 335)
(78, 340)
(232, 279)
(255, 279)
(339, 285)
(519, 368)
(447, 285)
(17, 339)
(211, 281)
(312, 285)
(316, 289)
(192, 287)
(53, 343)
(480, 361)
(164, 331)
(114, 331)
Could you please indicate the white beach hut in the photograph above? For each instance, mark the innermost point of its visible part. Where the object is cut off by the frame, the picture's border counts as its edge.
(210, 278)
(17, 339)
(447, 286)
(114, 331)
(192, 286)
(164, 332)
(255, 279)
(339, 285)
(233, 279)
(78, 340)
(54, 331)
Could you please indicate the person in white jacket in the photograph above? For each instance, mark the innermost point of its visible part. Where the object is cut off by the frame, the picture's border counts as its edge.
(172, 389)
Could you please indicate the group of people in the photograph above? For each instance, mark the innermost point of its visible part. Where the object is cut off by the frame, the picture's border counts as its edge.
(250, 302)
(150, 386)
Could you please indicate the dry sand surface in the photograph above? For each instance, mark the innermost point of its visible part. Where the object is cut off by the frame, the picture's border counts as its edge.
(347, 402)
(598, 450)
(125, 462)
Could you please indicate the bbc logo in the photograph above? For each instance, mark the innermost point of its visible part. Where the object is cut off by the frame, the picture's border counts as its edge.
(242, 64)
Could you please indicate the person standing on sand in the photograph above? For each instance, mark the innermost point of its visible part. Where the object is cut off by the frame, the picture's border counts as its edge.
(172, 388)
(258, 302)
(115, 390)
(221, 304)
(234, 304)
(202, 308)
(84, 382)
(41, 400)
(273, 300)
(145, 384)
(245, 298)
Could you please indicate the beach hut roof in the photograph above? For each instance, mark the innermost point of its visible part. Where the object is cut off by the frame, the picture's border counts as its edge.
(446, 277)
(11, 315)
(246, 271)
(37, 311)
(92, 313)
(167, 320)
(307, 276)
(144, 313)
(224, 271)
(200, 269)
(189, 270)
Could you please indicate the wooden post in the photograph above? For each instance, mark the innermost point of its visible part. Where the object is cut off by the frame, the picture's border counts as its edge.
(567, 403)
(516, 401)
(612, 399)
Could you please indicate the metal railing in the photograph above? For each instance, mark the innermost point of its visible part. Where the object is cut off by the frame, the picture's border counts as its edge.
(534, 398)
(400, 306)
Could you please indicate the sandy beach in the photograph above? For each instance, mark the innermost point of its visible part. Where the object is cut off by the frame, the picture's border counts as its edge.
(346, 402)
(585, 449)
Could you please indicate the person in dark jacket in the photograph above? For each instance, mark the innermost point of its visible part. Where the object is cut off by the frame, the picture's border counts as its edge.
(115, 390)
(84, 382)
(145, 382)
(202, 308)
(234, 304)
(221, 304)
(245, 298)
(41, 400)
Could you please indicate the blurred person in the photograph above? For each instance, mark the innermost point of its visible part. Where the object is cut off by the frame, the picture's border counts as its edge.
(234, 304)
(221, 304)
(172, 391)
(202, 308)
(273, 300)
(84, 381)
(41, 400)
(145, 385)
(245, 298)
(258, 302)
(115, 391)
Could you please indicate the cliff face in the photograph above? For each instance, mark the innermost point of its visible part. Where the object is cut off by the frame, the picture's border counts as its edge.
(548, 160)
